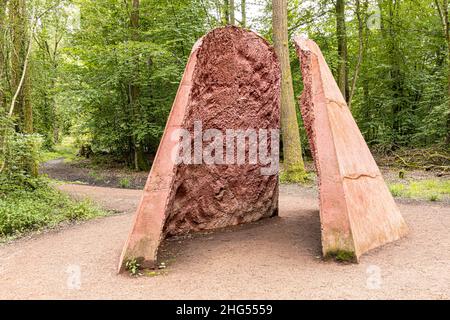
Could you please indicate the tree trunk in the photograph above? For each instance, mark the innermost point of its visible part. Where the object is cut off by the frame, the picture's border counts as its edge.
(397, 86)
(341, 32)
(17, 36)
(27, 106)
(361, 21)
(19, 66)
(139, 160)
(365, 81)
(244, 15)
(294, 168)
(447, 37)
(232, 18)
(26, 89)
(226, 12)
(443, 15)
(3, 4)
(20, 78)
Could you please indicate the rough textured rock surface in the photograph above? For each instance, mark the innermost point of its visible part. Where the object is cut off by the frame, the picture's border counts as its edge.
(231, 81)
(357, 210)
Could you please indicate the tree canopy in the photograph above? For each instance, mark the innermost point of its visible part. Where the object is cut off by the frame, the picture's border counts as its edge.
(106, 72)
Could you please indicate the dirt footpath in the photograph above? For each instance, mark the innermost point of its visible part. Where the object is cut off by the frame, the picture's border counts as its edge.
(277, 258)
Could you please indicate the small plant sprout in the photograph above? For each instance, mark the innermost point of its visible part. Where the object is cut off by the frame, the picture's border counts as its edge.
(433, 197)
(124, 183)
(133, 267)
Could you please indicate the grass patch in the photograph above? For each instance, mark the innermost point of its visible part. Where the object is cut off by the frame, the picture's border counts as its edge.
(66, 149)
(431, 190)
(124, 183)
(95, 175)
(40, 206)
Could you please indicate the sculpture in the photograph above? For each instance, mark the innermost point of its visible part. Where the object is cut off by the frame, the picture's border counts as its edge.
(217, 163)
(357, 211)
(231, 84)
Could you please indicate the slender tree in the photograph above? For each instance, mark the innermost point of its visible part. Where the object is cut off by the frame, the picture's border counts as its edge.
(294, 168)
(26, 45)
(22, 40)
(226, 12)
(139, 160)
(444, 15)
(244, 14)
(3, 5)
(341, 32)
(232, 16)
(361, 16)
(49, 39)
(17, 34)
(396, 74)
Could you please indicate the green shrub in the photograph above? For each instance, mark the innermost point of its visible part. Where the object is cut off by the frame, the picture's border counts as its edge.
(124, 183)
(19, 153)
(396, 189)
(28, 202)
(82, 210)
(31, 208)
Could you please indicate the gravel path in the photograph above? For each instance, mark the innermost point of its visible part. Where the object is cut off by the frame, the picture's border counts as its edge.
(276, 258)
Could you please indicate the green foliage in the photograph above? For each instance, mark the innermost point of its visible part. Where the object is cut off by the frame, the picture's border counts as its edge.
(397, 189)
(133, 267)
(401, 96)
(66, 149)
(341, 256)
(35, 205)
(87, 58)
(19, 152)
(95, 175)
(431, 190)
(83, 210)
(294, 174)
(124, 183)
(26, 202)
(106, 58)
(51, 117)
(433, 197)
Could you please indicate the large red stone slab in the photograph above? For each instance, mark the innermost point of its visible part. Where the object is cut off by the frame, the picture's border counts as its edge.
(357, 211)
(231, 81)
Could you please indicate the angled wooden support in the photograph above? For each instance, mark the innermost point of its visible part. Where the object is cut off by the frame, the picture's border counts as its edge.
(231, 82)
(357, 211)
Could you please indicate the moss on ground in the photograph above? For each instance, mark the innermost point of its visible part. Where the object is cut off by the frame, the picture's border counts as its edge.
(341, 256)
(294, 174)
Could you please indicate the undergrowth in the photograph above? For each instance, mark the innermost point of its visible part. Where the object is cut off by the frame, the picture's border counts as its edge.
(66, 149)
(35, 204)
(432, 190)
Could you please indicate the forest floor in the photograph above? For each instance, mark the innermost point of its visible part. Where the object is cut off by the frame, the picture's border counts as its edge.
(85, 172)
(276, 258)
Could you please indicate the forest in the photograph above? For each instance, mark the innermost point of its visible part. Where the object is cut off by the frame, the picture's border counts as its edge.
(94, 82)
